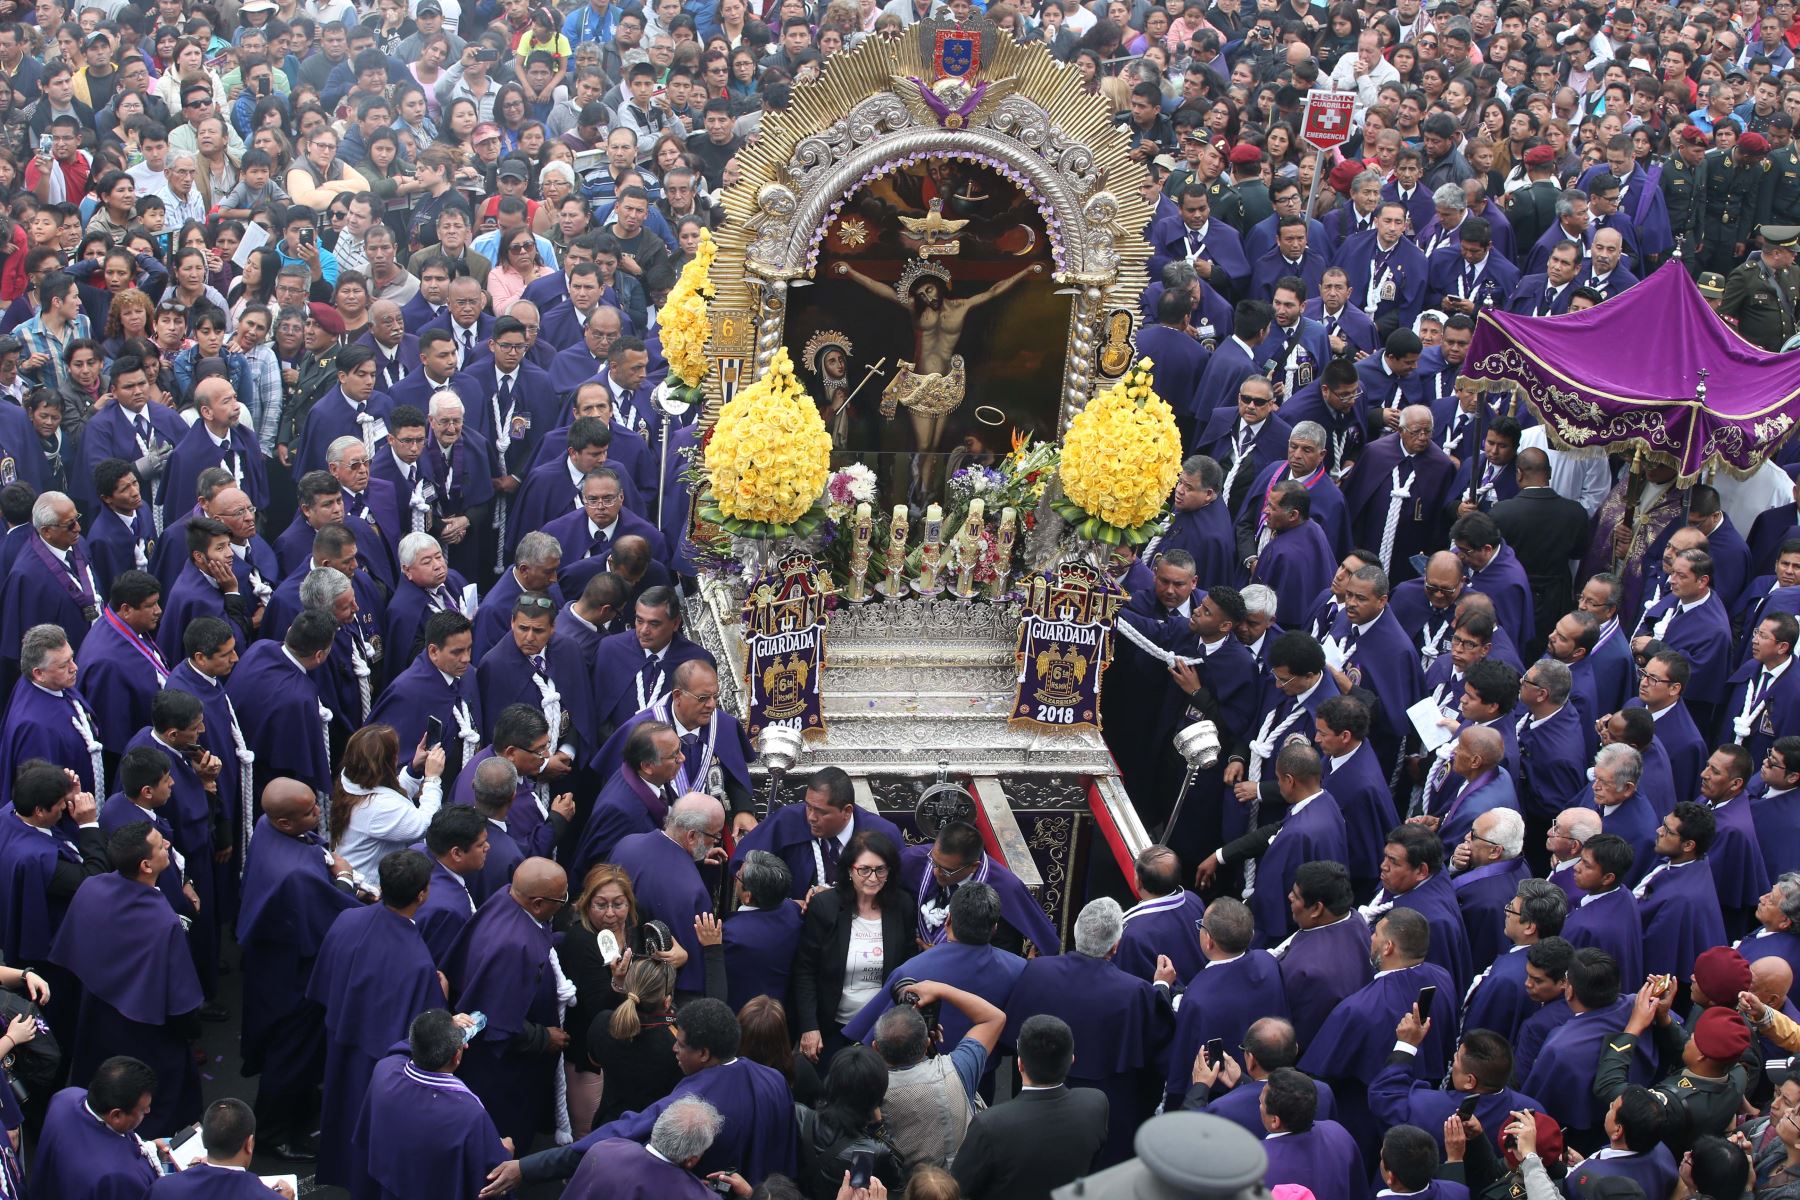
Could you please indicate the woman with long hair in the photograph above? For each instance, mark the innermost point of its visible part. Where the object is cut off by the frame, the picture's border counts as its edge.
(460, 118)
(389, 181)
(763, 1026)
(127, 316)
(375, 811)
(744, 88)
(510, 114)
(189, 67)
(1342, 28)
(257, 284)
(634, 1048)
(848, 1120)
(1283, 148)
(518, 266)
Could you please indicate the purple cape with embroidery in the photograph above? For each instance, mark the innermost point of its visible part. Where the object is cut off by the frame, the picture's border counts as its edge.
(1018, 907)
(1584, 391)
(36, 594)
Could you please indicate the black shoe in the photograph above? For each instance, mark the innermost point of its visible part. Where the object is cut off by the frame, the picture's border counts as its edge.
(296, 1149)
(214, 1012)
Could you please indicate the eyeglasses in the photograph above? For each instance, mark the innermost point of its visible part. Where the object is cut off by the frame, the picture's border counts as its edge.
(557, 901)
(238, 514)
(1649, 678)
(529, 601)
(515, 347)
(71, 526)
(878, 872)
(1513, 912)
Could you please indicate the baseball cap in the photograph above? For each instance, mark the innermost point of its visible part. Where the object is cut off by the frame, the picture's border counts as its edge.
(257, 6)
(1166, 162)
(511, 169)
(484, 131)
(430, 6)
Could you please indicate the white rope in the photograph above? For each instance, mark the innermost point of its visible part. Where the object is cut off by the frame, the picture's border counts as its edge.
(1133, 635)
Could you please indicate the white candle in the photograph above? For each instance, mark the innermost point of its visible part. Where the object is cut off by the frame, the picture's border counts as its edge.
(933, 513)
(862, 511)
(977, 507)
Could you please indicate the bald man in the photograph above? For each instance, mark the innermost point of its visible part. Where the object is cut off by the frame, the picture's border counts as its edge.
(220, 438)
(1485, 785)
(291, 895)
(1426, 607)
(501, 966)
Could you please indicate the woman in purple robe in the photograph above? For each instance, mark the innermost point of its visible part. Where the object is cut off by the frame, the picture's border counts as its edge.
(372, 976)
(126, 946)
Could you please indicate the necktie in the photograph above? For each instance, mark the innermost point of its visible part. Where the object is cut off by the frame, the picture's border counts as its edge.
(142, 426)
(1548, 302)
(1762, 685)
(690, 747)
(468, 344)
(445, 603)
(650, 670)
(1468, 280)
(506, 394)
(1350, 643)
(599, 545)
(537, 663)
(828, 851)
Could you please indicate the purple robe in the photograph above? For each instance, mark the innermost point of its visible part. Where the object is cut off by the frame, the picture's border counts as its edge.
(1681, 739)
(1323, 967)
(447, 908)
(1553, 762)
(220, 712)
(494, 616)
(1737, 860)
(1018, 907)
(1205, 533)
(1242, 1105)
(196, 450)
(786, 835)
(114, 541)
(372, 975)
(1389, 667)
(1654, 1170)
(1562, 1073)
(620, 1169)
(669, 888)
(118, 812)
(988, 971)
(1166, 925)
(759, 952)
(1636, 822)
(627, 807)
(1610, 922)
(1231, 363)
(1534, 1031)
(527, 822)
(29, 916)
(1121, 1019)
(1314, 834)
(190, 813)
(1396, 1098)
(730, 750)
(1367, 804)
(203, 1181)
(293, 549)
(1504, 582)
(1703, 634)
(109, 434)
(392, 365)
(1355, 1039)
(504, 857)
(333, 416)
(278, 711)
(1483, 895)
(422, 1134)
(1327, 510)
(1777, 822)
(759, 1137)
(39, 590)
(41, 724)
(421, 691)
(1367, 494)
(1468, 799)
(126, 945)
(1222, 1001)
(194, 595)
(1405, 266)
(1298, 565)
(1785, 945)
(1325, 1160)
(409, 608)
(500, 966)
(1435, 899)
(1177, 361)
(1679, 911)
(123, 672)
(1498, 1000)
(625, 681)
(79, 1157)
(506, 677)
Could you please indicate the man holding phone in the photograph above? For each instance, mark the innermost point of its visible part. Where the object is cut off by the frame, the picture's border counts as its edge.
(468, 80)
(1480, 1074)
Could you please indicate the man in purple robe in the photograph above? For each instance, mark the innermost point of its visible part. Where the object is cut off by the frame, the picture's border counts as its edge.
(533, 569)
(278, 706)
(438, 684)
(494, 791)
(1633, 1125)
(376, 503)
(1387, 275)
(1487, 872)
(1296, 559)
(1308, 446)
(1737, 860)
(1606, 916)
(1237, 358)
(1496, 570)
(538, 820)
(758, 1138)
(1413, 876)
(1333, 401)
(665, 872)
(371, 977)
(1693, 620)
(1122, 1022)
(460, 489)
(228, 1135)
(1677, 902)
(90, 1145)
(934, 873)
(1307, 826)
(1358, 1035)
(1481, 1070)
(552, 493)
(41, 868)
(1327, 960)
(47, 717)
(811, 835)
(139, 991)
(1775, 812)
(1562, 1073)
(351, 409)
(51, 581)
(146, 786)
(422, 1131)
(762, 936)
(1244, 437)
(132, 429)
(1164, 922)
(715, 750)
(662, 1169)
(294, 888)
(1477, 783)
(211, 649)
(1366, 648)
(123, 533)
(207, 586)
(1200, 523)
(119, 662)
(636, 667)
(1552, 745)
(457, 842)
(1268, 1045)
(1317, 1154)
(636, 798)
(1500, 998)
(528, 667)
(216, 439)
(1764, 700)
(1237, 987)
(322, 504)
(1356, 781)
(1662, 689)
(1398, 492)
(427, 586)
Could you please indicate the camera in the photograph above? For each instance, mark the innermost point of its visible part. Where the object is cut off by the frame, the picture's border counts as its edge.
(902, 992)
(487, 54)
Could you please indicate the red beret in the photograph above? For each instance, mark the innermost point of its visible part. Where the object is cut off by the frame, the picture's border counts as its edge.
(328, 318)
(1693, 135)
(1722, 973)
(1343, 174)
(1539, 156)
(1721, 1034)
(1753, 145)
(1245, 153)
(1549, 1141)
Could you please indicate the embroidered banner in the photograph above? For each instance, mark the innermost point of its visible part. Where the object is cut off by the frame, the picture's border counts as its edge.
(784, 639)
(1065, 641)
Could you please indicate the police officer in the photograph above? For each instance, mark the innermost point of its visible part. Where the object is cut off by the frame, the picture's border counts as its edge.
(1731, 195)
(1248, 202)
(1784, 164)
(1761, 293)
(1677, 183)
(1532, 209)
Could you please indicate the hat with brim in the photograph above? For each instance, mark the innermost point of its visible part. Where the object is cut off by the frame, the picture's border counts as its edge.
(1165, 161)
(256, 6)
(1785, 236)
(1711, 284)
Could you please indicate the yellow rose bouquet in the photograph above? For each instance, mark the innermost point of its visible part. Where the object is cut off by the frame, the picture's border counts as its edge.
(1120, 459)
(768, 459)
(683, 323)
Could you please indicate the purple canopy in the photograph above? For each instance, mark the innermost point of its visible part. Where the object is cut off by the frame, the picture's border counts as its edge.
(1698, 396)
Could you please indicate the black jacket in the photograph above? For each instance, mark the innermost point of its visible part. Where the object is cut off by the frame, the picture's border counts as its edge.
(818, 979)
(1040, 1141)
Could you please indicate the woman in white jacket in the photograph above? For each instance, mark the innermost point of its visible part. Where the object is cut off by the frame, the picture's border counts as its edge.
(375, 811)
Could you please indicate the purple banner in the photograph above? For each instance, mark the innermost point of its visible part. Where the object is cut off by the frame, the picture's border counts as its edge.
(1653, 367)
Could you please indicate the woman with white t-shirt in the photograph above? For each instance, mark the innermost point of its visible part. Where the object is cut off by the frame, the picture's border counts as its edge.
(375, 811)
(855, 935)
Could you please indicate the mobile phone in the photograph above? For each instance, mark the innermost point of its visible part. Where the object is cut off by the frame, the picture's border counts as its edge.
(44, 146)
(1427, 995)
(1215, 1051)
(434, 732)
(262, 87)
(862, 1168)
(306, 237)
(487, 54)
(1466, 1109)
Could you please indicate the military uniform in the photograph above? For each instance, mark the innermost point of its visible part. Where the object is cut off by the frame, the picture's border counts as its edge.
(1245, 205)
(1731, 198)
(1530, 211)
(1696, 1105)
(1784, 193)
(1677, 184)
(1762, 299)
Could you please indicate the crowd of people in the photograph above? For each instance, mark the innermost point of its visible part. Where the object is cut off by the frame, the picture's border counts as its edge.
(348, 698)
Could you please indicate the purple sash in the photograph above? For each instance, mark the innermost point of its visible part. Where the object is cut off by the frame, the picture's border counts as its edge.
(450, 485)
(147, 649)
(74, 577)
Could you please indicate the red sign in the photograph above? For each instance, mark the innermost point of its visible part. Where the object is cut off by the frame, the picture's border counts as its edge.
(1329, 119)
